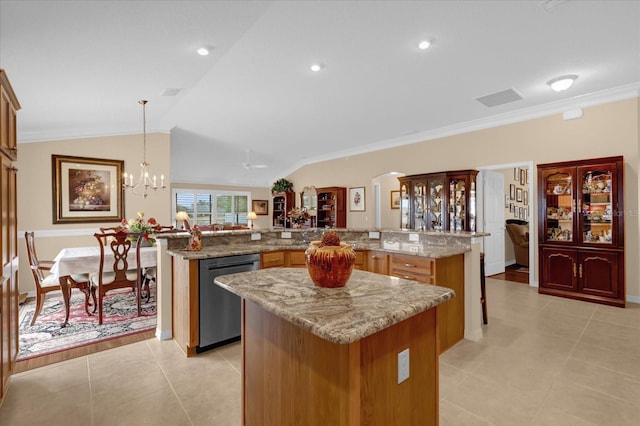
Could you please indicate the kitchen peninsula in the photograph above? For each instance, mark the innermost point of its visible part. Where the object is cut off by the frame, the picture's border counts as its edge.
(447, 259)
(319, 356)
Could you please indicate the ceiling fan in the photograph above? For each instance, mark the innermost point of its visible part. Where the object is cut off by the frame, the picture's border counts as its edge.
(247, 164)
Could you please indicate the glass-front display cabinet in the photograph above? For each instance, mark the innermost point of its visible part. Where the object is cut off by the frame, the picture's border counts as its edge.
(581, 230)
(443, 201)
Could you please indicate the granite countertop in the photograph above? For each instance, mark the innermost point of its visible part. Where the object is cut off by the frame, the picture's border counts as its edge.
(222, 250)
(367, 304)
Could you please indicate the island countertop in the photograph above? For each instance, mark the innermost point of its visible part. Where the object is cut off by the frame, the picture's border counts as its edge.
(367, 304)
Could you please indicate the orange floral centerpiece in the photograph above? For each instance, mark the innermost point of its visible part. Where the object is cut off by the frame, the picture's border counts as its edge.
(297, 216)
(143, 226)
(329, 261)
(196, 238)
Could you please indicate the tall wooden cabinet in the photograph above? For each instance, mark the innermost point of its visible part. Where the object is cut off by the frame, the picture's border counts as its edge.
(8, 233)
(581, 230)
(444, 201)
(332, 212)
(281, 204)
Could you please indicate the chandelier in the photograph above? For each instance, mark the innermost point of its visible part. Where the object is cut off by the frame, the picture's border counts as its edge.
(144, 182)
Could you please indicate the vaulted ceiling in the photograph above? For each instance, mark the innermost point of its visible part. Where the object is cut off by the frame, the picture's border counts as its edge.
(80, 67)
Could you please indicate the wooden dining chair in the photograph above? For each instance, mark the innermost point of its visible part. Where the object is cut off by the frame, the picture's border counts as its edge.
(46, 283)
(119, 274)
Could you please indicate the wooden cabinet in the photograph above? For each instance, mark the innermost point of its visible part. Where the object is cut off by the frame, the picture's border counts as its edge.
(297, 259)
(439, 201)
(8, 233)
(332, 211)
(378, 262)
(581, 230)
(281, 204)
(445, 272)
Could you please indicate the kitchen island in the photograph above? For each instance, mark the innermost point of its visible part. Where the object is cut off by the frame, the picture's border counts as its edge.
(317, 356)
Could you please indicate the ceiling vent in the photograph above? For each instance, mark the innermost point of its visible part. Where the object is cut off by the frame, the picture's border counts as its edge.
(171, 92)
(549, 5)
(499, 98)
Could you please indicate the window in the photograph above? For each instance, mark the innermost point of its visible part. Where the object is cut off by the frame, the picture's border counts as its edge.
(213, 207)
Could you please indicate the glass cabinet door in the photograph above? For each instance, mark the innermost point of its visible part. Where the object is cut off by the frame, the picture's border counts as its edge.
(404, 206)
(596, 209)
(457, 204)
(419, 202)
(435, 213)
(558, 188)
(472, 205)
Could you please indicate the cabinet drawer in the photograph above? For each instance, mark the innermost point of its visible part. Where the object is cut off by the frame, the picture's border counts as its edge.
(360, 261)
(272, 259)
(297, 259)
(412, 268)
(414, 264)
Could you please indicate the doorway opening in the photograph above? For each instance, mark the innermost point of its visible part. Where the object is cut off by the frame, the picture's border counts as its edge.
(506, 194)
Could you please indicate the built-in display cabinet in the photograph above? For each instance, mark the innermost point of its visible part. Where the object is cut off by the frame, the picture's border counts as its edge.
(444, 201)
(332, 212)
(281, 204)
(581, 230)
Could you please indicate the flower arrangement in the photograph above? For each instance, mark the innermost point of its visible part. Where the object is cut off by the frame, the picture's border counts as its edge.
(196, 238)
(298, 215)
(140, 225)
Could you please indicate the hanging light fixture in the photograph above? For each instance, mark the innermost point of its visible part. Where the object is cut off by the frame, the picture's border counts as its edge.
(145, 181)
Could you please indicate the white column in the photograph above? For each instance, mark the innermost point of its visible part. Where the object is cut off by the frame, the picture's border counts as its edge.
(472, 308)
(163, 292)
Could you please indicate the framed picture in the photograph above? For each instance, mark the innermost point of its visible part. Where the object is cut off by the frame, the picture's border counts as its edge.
(526, 176)
(356, 199)
(519, 195)
(506, 201)
(516, 174)
(525, 198)
(516, 213)
(511, 207)
(523, 177)
(395, 199)
(87, 189)
(260, 207)
(512, 191)
(525, 213)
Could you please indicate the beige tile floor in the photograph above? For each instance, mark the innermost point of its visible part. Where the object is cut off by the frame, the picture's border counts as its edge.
(543, 361)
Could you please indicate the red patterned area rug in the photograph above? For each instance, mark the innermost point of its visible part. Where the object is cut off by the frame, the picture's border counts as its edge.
(120, 318)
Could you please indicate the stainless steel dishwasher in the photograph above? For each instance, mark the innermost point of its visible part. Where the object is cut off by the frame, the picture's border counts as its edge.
(219, 308)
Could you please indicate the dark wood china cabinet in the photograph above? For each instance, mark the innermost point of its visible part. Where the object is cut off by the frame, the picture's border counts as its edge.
(581, 230)
(444, 201)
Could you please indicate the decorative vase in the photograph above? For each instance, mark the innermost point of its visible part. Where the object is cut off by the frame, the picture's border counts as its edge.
(330, 266)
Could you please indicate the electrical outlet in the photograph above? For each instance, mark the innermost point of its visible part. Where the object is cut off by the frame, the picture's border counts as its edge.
(403, 366)
(256, 236)
(374, 235)
(285, 234)
(414, 238)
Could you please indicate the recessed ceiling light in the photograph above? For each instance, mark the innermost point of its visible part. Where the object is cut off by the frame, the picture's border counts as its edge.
(561, 83)
(203, 51)
(316, 67)
(424, 44)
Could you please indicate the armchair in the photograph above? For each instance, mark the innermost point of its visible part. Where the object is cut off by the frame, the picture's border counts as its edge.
(519, 234)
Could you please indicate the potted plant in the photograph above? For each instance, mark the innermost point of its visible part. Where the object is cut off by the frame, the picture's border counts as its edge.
(282, 185)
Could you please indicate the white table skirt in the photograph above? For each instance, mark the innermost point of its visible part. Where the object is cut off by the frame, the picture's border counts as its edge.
(83, 260)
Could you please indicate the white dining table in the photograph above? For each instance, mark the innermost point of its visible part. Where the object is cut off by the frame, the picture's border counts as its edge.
(86, 260)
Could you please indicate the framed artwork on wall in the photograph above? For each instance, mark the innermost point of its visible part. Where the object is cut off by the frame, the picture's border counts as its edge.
(356, 199)
(516, 174)
(512, 191)
(395, 199)
(523, 177)
(519, 195)
(87, 189)
(260, 207)
(525, 198)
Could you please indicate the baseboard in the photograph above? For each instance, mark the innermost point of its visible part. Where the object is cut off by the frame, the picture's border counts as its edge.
(633, 299)
(163, 334)
(509, 262)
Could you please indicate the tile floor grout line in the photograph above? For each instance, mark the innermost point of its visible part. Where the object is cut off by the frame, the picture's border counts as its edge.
(155, 358)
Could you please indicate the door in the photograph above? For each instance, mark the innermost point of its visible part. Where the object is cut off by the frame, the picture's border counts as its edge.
(559, 269)
(493, 212)
(598, 273)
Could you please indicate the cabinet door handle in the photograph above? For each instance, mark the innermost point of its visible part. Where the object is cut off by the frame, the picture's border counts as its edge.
(574, 270)
(374, 257)
(580, 269)
(406, 277)
(409, 265)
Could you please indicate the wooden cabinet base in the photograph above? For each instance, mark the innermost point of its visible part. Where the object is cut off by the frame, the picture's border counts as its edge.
(292, 377)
